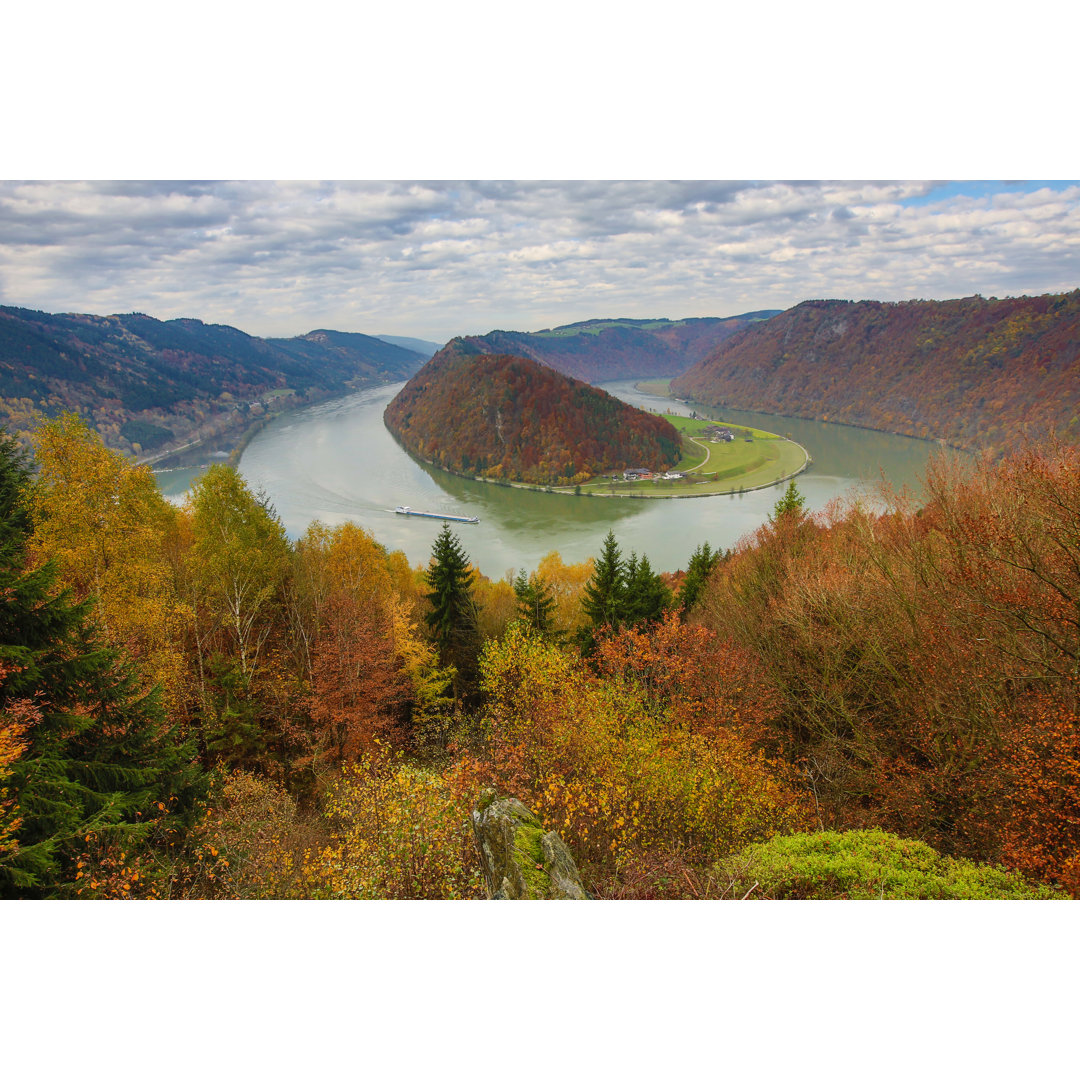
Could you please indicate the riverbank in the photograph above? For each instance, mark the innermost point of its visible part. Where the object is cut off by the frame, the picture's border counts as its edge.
(227, 446)
(662, 388)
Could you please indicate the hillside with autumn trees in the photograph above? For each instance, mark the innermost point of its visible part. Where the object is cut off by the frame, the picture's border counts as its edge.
(975, 373)
(598, 350)
(878, 700)
(510, 418)
(147, 385)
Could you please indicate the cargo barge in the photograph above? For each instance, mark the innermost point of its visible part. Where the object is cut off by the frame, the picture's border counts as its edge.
(438, 517)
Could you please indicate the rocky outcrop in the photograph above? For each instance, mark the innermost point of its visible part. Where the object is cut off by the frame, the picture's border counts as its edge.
(520, 861)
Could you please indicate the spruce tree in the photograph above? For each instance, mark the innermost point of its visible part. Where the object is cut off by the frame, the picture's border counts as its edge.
(702, 563)
(452, 618)
(100, 764)
(602, 600)
(535, 603)
(646, 597)
(791, 505)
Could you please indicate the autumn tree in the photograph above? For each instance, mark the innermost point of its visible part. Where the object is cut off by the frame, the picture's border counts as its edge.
(106, 526)
(496, 604)
(566, 583)
(233, 563)
(344, 614)
(238, 561)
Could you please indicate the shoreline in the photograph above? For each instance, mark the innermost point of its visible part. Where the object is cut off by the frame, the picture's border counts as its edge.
(939, 441)
(228, 450)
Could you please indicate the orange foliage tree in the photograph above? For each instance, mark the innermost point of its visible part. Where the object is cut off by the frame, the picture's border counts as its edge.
(922, 655)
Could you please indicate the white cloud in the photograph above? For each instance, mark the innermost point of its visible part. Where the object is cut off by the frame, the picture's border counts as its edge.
(434, 259)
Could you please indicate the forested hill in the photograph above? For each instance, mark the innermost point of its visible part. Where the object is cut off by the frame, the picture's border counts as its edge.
(976, 373)
(148, 385)
(512, 418)
(601, 349)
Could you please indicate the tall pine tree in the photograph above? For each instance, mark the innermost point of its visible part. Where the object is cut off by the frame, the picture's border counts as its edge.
(620, 593)
(603, 597)
(646, 597)
(99, 764)
(452, 618)
(536, 605)
(702, 563)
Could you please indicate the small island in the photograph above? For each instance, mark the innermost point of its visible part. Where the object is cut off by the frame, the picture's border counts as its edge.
(509, 420)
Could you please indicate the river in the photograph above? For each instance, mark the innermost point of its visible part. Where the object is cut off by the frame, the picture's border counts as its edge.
(337, 462)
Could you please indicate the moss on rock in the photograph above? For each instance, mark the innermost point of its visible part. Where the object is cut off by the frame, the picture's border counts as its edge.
(520, 861)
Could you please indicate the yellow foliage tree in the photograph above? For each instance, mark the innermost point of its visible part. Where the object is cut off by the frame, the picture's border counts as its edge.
(399, 833)
(496, 605)
(108, 528)
(566, 583)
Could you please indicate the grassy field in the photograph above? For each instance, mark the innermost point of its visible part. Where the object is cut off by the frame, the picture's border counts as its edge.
(755, 458)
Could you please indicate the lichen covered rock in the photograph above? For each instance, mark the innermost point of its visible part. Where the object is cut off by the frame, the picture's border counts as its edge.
(520, 860)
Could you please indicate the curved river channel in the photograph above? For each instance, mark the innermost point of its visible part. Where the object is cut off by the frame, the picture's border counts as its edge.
(337, 462)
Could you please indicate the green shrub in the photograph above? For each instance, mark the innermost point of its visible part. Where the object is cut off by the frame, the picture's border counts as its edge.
(863, 865)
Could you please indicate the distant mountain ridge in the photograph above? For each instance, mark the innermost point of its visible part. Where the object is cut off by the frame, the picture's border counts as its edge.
(426, 349)
(975, 373)
(599, 350)
(147, 384)
(512, 418)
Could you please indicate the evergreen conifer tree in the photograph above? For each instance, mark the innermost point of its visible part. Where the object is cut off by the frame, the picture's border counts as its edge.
(646, 597)
(535, 603)
(702, 563)
(791, 504)
(453, 617)
(602, 600)
(100, 763)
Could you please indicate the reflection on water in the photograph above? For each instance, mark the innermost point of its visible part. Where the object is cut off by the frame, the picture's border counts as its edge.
(337, 462)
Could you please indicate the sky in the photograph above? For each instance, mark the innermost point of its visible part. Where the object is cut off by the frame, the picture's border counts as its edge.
(437, 259)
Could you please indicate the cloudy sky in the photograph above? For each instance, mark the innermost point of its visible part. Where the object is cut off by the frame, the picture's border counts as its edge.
(434, 260)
